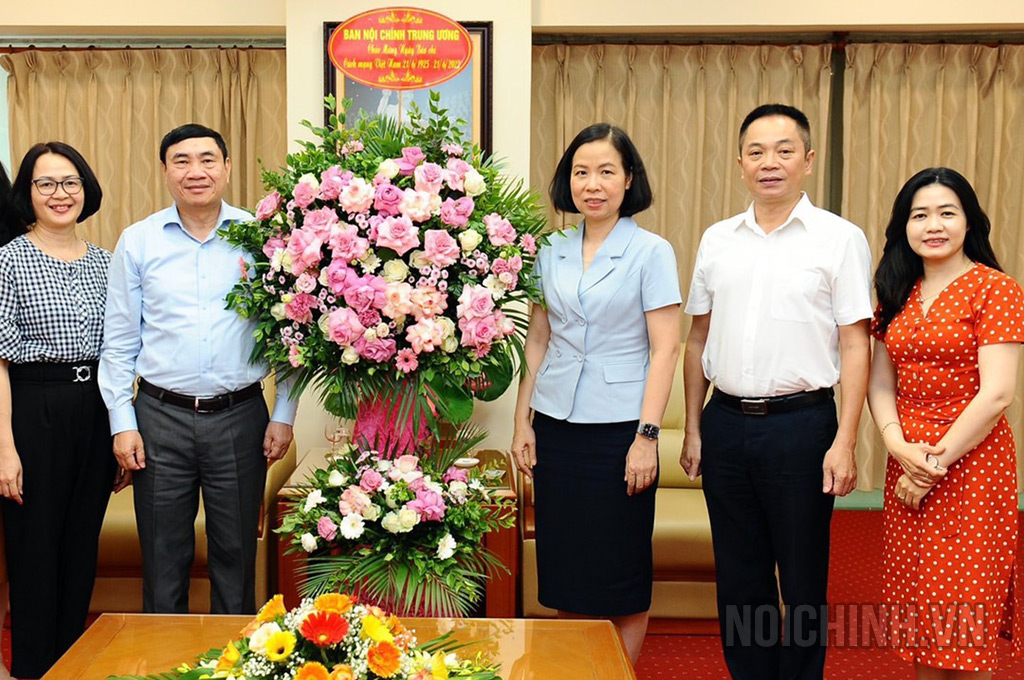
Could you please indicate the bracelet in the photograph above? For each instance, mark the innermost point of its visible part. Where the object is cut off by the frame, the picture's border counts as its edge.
(886, 427)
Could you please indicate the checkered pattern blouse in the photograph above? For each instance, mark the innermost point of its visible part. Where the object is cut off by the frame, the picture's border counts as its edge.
(51, 310)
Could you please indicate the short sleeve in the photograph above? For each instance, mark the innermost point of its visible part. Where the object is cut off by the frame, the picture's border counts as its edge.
(660, 284)
(851, 284)
(876, 324)
(10, 334)
(699, 300)
(998, 312)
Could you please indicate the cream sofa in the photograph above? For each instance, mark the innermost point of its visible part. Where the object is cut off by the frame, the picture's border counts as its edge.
(684, 564)
(119, 569)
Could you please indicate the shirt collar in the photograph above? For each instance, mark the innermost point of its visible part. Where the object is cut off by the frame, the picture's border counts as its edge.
(227, 214)
(799, 215)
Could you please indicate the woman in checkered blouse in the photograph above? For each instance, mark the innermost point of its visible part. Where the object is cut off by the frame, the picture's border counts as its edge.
(56, 464)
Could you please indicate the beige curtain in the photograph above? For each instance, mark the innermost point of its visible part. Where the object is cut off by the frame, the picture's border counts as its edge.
(682, 106)
(115, 106)
(908, 107)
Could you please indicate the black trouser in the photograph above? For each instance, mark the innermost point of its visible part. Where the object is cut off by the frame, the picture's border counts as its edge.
(222, 453)
(762, 483)
(63, 439)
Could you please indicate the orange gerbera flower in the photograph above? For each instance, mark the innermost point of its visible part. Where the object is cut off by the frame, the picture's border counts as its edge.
(334, 602)
(312, 671)
(272, 609)
(384, 659)
(342, 672)
(324, 628)
(228, 658)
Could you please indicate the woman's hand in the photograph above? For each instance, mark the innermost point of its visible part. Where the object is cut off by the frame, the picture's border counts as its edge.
(524, 449)
(10, 475)
(641, 464)
(913, 458)
(910, 493)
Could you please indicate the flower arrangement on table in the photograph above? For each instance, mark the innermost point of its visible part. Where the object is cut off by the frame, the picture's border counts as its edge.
(333, 637)
(405, 532)
(388, 261)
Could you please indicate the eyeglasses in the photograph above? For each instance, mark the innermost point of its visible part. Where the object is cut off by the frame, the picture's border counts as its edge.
(48, 187)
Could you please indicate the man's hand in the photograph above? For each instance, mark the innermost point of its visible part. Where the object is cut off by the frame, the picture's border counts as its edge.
(689, 457)
(129, 450)
(277, 440)
(839, 470)
(122, 479)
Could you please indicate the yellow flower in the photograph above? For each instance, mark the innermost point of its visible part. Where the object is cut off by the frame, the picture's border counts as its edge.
(280, 646)
(272, 609)
(333, 602)
(438, 667)
(228, 658)
(342, 672)
(312, 671)
(374, 629)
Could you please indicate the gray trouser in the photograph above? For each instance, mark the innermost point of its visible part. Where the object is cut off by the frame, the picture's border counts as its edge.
(222, 454)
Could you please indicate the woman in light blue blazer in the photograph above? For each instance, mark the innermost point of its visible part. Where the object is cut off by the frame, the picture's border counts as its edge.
(600, 359)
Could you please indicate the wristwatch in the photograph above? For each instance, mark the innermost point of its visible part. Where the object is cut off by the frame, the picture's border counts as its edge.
(648, 430)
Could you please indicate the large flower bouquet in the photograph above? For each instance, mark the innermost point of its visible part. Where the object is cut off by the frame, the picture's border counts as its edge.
(387, 263)
(404, 533)
(330, 638)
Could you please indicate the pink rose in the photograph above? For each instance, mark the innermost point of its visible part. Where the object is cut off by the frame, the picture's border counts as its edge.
(326, 528)
(320, 221)
(425, 335)
(306, 283)
(379, 350)
(528, 243)
(499, 230)
(363, 292)
(477, 332)
(332, 181)
(407, 463)
(304, 247)
(369, 317)
(387, 199)
(398, 298)
(370, 481)
(455, 173)
(475, 303)
(440, 248)
(429, 178)
(399, 234)
(500, 265)
(406, 361)
(297, 309)
(343, 326)
(429, 505)
(505, 325)
(268, 205)
(419, 206)
(452, 149)
(304, 194)
(337, 274)
(346, 243)
(411, 157)
(454, 474)
(456, 213)
(273, 244)
(428, 302)
(357, 196)
(353, 501)
(515, 264)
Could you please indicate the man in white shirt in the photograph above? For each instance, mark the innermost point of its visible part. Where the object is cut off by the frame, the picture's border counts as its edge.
(780, 299)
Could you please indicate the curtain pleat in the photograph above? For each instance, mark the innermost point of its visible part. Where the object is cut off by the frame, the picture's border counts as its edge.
(116, 105)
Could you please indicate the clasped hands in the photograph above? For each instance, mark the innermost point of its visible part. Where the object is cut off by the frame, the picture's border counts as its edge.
(921, 472)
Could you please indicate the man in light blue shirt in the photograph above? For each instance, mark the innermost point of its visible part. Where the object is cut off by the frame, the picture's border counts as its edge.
(199, 421)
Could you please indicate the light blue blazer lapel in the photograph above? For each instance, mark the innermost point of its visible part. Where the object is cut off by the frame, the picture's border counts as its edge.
(569, 268)
(609, 253)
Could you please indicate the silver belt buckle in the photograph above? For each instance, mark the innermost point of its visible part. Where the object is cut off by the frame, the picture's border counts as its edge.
(754, 407)
(82, 374)
(197, 409)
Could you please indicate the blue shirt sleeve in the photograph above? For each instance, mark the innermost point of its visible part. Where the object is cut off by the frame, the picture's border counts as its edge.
(122, 338)
(660, 283)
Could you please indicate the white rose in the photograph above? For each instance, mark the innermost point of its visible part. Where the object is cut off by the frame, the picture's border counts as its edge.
(352, 526)
(383, 465)
(277, 259)
(258, 640)
(371, 512)
(388, 168)
(469, 240)
(370, 334)
(395, 271)
(391, 523)
(308, 542)
(459, 491)
(382, 330)
(446, 547)
(449, 344)
(309, 179)
(322, 279)
(417, 259)
(277, 311)
(315, 498)
(323, 323)
(349, 356)
(474, 183)
(447, 326)
(408, 519)
(336, 479)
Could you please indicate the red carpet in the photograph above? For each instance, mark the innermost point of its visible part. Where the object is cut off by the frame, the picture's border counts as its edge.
(855, 577)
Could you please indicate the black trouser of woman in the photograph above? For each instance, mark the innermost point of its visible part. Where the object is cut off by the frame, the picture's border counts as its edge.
(63, 439)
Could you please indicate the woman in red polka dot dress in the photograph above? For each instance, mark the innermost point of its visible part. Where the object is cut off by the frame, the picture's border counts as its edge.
(951, 323)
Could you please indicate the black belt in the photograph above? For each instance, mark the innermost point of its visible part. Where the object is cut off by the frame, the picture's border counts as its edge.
(200, 404)
(769, 405)
(42, 371)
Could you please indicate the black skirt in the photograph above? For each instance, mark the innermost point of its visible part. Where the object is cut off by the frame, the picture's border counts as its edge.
(593, 540)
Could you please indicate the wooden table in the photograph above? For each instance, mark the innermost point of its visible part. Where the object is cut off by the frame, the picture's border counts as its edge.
(538, 649)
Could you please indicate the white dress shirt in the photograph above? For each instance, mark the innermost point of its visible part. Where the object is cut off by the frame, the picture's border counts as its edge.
(777, 300)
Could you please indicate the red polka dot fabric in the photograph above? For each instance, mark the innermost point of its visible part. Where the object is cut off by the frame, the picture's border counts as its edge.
(950, 581)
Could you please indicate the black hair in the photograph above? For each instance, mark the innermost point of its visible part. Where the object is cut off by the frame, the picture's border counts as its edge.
(190, 131)
(9, 224)
(900, 267)
(21, 190)
(638, 196)
(769, 110)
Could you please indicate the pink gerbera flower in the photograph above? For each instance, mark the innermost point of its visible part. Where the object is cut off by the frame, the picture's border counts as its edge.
(406, 361)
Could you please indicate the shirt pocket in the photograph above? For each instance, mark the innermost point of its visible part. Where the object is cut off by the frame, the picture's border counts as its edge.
(794, 296)
(620, 373)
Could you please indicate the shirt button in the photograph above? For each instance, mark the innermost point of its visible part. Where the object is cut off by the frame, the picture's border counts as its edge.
(579, 358)
(558, 352)
(582, 322)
